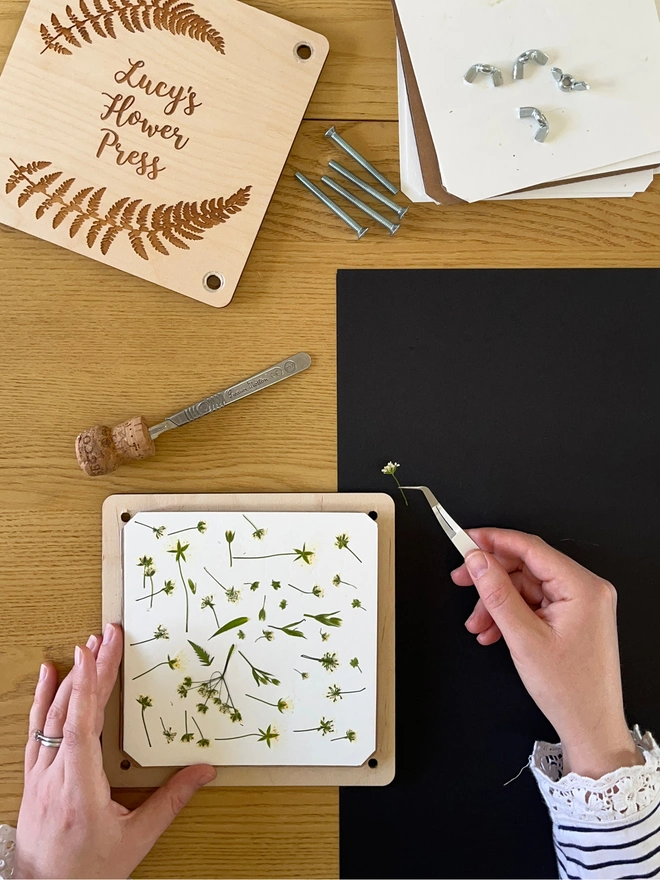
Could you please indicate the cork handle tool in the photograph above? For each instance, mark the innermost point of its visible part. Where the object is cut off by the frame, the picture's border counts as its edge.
(100, 450)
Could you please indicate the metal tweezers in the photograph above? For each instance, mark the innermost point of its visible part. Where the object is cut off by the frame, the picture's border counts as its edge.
(460, 539)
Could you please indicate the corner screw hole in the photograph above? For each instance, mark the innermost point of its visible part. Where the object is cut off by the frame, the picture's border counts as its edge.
(373, 514)
(125, 764)
(125, 517)
(373, 763)
(304, 51)
(213, 281)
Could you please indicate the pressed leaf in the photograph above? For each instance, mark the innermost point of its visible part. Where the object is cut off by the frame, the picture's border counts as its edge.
(64, 187)
(93, 232)
(238, 621)
(84, 33)
(61, 214)
(129, 210)
(157, 244)
(143, 214)
(96, 25)
(138, 245)
(80, 197)
(95, 200)
(113, 213)
(77, 225)
(27, 193)
(192, 586)
(203, 656)
(108, 237)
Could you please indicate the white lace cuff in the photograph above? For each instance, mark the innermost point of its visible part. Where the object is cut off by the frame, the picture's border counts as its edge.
(7, 847)
(617, 796)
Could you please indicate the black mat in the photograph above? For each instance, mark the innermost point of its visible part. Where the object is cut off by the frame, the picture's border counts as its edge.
(524, 399)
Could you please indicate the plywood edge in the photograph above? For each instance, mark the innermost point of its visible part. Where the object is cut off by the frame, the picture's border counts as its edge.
(131, 775)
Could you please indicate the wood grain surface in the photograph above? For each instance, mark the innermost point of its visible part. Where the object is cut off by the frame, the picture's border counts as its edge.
(83, 344)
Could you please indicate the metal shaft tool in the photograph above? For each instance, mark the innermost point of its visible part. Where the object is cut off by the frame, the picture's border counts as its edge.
(101, 449)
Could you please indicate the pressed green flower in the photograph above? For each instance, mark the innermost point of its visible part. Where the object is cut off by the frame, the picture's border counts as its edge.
(267, 735)
(266, 634)
(257, 533)
(182, 691)
(235, 716)
(203, 743)
(187, 737)
(145, 562)
(202, 708)
(328, 661)
(253, 586)
(180, 555)
(337, 581)
(336, 693)
(233, 596)
(341, 543)
(168, 733)
(168, 589)
(303, 675)
(315, 591)
(172, 662)
(283, 604)
(325, 727)
(149, 571)
(390, 470)
(276, 585)
(284, 704)
(355, 663)
(262, 611)
(357, 604)
(207, 602)
(146, 703)
(159, 633)
(229, 538)
(240, 634)
(158, 531)
(324, 635)
(260, 675)
(300, 554)
(351, 736)
(326, 619)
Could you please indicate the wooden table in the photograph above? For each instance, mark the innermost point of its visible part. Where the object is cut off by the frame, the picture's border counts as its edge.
(82, 343)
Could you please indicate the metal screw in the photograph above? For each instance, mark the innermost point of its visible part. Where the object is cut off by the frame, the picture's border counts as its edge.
(568, 83)
(321, 196)
(530, 55)
(391, 227)
(539, 118)
(399, 210)
(488, 69)
(339, 140)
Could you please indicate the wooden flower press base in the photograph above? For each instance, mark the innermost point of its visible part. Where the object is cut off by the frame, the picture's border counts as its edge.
(122, 771)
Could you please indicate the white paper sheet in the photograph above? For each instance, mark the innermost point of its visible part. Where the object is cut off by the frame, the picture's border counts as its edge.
(412, 183)
(321, 711)
(484, 149)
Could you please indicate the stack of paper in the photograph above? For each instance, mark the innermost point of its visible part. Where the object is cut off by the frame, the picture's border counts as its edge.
(464, 142)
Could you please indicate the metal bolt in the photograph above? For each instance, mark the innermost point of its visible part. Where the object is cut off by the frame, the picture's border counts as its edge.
(391, 227)
(399, 210)
(489, 70)
(321, 196)
(339, 140)
(567, 83)
(530, 55)
(542, 122)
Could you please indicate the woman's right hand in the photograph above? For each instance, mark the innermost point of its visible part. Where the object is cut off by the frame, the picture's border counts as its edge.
(559, 622)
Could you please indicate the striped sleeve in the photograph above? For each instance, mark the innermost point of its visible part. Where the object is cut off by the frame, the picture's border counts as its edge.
(608, 827)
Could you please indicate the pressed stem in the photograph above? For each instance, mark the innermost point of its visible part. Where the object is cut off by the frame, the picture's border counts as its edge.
(151, 603)
(144, 525)
(149, 597)
(307, 657)
(185, 587)
(164, 663)
(217, 622)
(216, 580)
(354, 554)
(185, 719)
(307, 730)
(265, 702)
(143, 642)
(268, 556)
(354, 692)
(237, 737)
(197, 726)
(144, 579)
(307, 592)
(144, 722)
(229, 653)
(181, 531)
(335, 738)
(251, 523)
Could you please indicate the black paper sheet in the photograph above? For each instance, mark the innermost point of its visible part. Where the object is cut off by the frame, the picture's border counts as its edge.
(525, 399)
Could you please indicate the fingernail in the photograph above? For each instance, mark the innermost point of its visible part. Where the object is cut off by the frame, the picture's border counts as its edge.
(77, 657)
(43, 672)
(476, 563)
(108, 633)
(467, 622)
(91, 642)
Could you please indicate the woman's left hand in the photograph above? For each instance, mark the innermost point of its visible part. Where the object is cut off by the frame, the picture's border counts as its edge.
(68, 825)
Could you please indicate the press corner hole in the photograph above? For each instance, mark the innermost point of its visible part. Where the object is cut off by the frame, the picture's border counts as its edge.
(373, 763)
(125, 516)
(125, 764)
(303, 51)
(373, 514)
(213, 281)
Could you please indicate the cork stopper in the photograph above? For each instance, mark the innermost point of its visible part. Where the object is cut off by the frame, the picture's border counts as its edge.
(100, 450)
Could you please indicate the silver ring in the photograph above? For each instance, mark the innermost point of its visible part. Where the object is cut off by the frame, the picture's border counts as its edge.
(53, 742)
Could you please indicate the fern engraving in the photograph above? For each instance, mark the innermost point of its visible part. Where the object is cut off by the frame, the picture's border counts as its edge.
(101, 17)
(157, 228)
